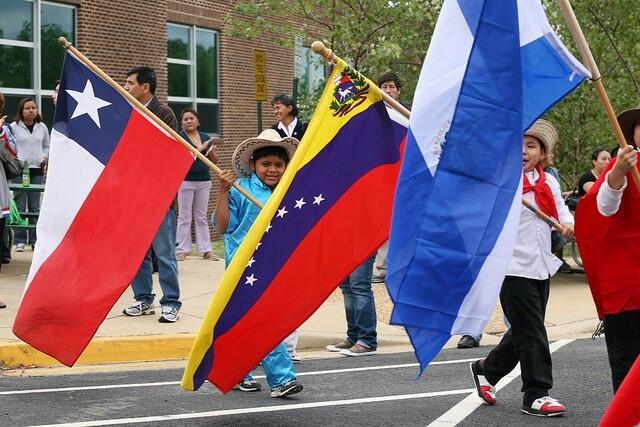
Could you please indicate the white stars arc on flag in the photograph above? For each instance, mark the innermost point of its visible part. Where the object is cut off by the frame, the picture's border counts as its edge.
(251, 279)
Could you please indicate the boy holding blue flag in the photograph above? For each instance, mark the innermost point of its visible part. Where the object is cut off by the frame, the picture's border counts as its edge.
(260, 162)
(525, 289)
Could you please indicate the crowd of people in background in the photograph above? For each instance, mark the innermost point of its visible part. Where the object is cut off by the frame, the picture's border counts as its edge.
(26, 138)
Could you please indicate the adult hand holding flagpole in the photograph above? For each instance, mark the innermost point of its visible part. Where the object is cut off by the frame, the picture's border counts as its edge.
(589, 61)
(196, 154)
(319, 48)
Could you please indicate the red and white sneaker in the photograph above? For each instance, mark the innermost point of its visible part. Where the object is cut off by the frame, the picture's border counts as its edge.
(486, 391)
(545, 406)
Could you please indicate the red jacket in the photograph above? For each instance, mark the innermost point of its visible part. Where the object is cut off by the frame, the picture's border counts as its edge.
(610, 249)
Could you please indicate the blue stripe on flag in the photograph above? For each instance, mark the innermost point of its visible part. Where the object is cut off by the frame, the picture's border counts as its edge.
(473, 188)
(546, 79)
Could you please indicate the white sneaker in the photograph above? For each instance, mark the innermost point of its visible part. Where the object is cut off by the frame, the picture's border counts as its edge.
(20, 247)
(545, 406)
(169, 314)
(138, 308)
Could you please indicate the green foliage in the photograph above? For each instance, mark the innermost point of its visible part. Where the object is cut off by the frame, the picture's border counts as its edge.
(611, 31)
(374, 36)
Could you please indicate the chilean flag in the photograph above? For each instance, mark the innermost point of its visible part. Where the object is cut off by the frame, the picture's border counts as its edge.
(328, 214)
(493, 67)
(112, 176)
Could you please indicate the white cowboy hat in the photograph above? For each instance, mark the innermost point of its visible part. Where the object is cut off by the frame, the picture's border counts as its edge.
(544, 132)
(243, 154)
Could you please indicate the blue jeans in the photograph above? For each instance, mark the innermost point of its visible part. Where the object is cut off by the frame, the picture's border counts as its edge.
(360, 306)
(277, 366)
(164, 245)
(27, 202)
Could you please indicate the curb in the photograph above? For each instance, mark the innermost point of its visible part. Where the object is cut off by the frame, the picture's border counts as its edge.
(148, 348)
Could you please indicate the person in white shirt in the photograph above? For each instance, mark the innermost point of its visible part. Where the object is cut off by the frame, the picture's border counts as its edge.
(608, 223)
(286, 113)
(32, 142)
(525, 289)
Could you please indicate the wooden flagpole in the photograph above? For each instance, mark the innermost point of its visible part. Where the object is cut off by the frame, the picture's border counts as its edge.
(546, 218)
(596, 78)
(196, 154)
(319, 48)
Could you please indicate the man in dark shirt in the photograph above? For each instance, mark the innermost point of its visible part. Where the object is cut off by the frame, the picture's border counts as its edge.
(141, 83)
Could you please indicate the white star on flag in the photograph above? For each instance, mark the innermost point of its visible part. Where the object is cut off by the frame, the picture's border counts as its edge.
(88, 103)
(268, 228)
(282, 212)
(300, 203)
(251, 261)
(258, 245)
(318, 199)
(250, 280)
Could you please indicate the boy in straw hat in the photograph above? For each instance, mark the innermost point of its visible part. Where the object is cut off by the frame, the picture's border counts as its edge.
(608, 225)
(525, 289)
(260, 162)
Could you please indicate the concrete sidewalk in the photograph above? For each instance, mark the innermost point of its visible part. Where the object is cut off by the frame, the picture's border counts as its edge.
(570, 314)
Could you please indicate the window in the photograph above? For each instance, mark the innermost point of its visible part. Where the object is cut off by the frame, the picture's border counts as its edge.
(192, 63)
(312, 71)
(32, 59)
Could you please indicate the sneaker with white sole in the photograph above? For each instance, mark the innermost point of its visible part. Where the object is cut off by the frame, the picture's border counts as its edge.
(358, 350)
(340, 345)
(139, 308)
(249, 386)
(287, 389)
(20, 247)
(169, 314)
(485, 390)
(545, 406)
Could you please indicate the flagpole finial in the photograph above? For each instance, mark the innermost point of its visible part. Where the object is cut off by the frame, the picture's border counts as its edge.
(319, 48)
(64, 42)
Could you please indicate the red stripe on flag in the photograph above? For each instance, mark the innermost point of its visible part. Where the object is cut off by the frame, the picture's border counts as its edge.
(76, 287)
(346, 235)
(624, 410)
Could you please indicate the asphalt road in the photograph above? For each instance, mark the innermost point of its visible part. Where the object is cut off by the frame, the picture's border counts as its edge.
(380, 390)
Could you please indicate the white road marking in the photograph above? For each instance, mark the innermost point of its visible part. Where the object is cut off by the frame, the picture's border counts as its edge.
(472, 402)
(275, 408)
(170, 383)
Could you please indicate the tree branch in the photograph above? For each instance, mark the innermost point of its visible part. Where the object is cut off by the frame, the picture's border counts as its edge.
(615, 47)
(309, 17)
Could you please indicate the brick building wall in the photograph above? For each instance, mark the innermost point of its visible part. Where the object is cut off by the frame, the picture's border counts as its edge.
(118, 34)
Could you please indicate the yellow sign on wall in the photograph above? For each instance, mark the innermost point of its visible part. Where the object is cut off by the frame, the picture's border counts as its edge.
(260, 73)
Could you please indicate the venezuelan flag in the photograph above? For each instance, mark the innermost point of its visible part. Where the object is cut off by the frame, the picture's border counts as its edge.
(331, 210)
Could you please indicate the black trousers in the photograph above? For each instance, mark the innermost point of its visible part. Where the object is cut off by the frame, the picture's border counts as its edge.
(622, 335)
(524, 302)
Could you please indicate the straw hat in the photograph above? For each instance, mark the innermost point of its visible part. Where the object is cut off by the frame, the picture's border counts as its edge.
(628, 120)
(544, 132)
(242, 156)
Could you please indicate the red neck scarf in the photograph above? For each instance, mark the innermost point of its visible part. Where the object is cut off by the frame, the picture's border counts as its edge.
(542, 193)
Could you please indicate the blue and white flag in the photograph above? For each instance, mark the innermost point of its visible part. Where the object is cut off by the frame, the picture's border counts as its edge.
(493, 67)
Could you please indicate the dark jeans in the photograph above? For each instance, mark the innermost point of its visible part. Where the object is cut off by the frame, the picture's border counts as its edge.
(164, 246)
(622, 335)
(524, 302)
(5, 237)
(2, 243)
(360, 306)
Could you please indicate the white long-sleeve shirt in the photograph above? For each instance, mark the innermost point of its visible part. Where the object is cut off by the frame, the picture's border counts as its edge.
(32, 147)
(608, 199)
(532, 257)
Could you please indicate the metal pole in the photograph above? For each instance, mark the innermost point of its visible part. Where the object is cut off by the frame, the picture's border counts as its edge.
(259, 116)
